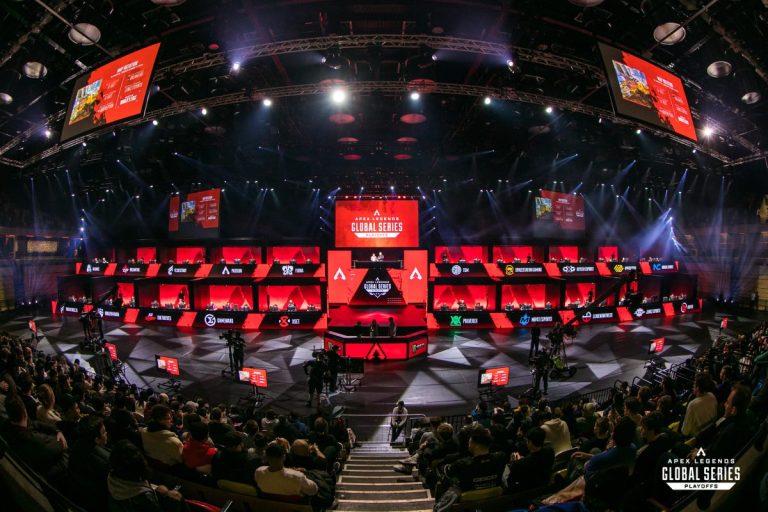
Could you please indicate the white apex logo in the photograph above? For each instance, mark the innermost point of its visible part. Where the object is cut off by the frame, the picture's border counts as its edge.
(376, 213)
(339, 275)
(415, 274)
(225, 271)
(701, 453)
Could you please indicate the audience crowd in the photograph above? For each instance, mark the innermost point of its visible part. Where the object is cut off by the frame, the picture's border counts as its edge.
(102, 443)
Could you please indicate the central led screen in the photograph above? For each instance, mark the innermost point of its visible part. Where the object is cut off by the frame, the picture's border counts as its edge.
(377, 223)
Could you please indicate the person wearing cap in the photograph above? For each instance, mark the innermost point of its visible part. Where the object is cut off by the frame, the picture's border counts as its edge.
(275, 478)
(231, 461)
(398, 419)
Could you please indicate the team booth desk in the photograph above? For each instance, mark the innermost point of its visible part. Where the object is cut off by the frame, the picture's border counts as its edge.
(410, 342)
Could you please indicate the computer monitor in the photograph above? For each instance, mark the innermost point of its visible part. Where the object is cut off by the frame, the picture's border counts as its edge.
(253, 376)
(493, 376)
(170, 365)
(111, 350)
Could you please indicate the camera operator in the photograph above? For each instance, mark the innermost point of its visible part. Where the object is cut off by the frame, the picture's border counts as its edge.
(315, 369)
(85, 321)
(555, 337)
(333, 361)
(237, 345)
(542, 364)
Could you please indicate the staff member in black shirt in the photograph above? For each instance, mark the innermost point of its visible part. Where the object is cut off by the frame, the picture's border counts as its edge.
(483, 469)
(532, 470)
(535, 336)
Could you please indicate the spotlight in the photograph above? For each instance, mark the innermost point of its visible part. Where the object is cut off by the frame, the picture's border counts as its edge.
(204, 111)
(708, 131)
(82, 229)
(236, 67)
(84, 34)
(47, 133)
(154, 122)
(638, 131)
(34, 70)
(510, 65)
(415, 96)
(84, 144)
(338, 96)
(548, 110)
(487, 100)
(266, 102)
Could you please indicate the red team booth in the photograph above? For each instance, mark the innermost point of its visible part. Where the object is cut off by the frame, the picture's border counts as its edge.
(377, 294)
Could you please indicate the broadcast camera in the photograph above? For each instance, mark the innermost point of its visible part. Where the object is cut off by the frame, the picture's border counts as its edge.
(232, 337)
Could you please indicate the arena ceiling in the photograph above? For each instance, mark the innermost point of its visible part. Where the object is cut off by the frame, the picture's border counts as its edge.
(227, 56)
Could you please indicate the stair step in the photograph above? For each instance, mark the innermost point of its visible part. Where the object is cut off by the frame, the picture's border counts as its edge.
(370, 465)
(392, 477)
(394, 486)
(426, 504)
(382, 494)
(369, 472)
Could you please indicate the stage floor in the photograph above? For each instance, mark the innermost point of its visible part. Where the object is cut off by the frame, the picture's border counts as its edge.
(444, 382)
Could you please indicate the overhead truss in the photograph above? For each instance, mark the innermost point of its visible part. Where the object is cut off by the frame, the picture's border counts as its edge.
(394, 88)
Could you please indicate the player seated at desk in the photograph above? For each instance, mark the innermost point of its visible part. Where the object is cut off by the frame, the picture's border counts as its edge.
(509, 306)
(273, 308)
(227, 306)
(462, 306)
(245, 306)
(444, 307)
(210, 307)
(548, 305)
(374, 258)
(444, 257)
(478, 306)
(290, 306)
(182, 304)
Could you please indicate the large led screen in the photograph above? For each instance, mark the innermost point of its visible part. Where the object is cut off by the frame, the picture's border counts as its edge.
(195, 215)
(110, 93)
(558, 215)
(377, 223)
(646, 92)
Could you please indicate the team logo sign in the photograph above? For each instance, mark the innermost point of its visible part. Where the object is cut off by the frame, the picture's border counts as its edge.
(283, 321)
(456, 270)
(525, 319)
(455, 320)
(88, 268)
(377, 288)
(225, 271)
(509, 270)
(209, 320)
(569, 269)
(683, 307)
(170, 271)
(586, 317)
(639, 312)
(618, 268)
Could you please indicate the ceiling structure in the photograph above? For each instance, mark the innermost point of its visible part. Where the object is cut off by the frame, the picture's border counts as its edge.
(536, 62)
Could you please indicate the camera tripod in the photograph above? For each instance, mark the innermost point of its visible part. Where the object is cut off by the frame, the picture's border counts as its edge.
(347, 383)
(233, 343)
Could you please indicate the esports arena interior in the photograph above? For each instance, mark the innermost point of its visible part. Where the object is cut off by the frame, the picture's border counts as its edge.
(204, 197)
